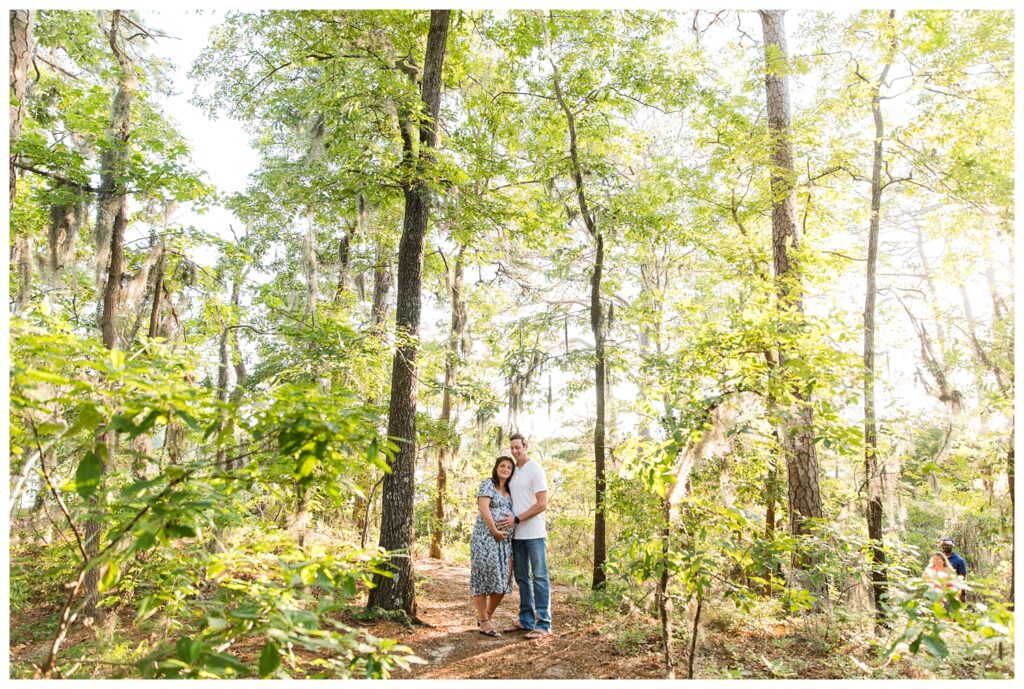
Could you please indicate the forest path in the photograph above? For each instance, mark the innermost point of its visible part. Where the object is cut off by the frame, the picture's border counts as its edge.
(453, 648)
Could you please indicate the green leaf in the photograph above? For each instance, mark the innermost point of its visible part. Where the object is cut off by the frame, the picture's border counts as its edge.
(189, 420)
(935, 645)
(88, 418)
(216, 623)
(246, 612)
(349, 587)
(270, 659)
(174, 530)
(188, 649)
(146, 424)
(144, 542)
(373, 451)
(110, 576)
(307, 465)
(223, 661)
(87, 477)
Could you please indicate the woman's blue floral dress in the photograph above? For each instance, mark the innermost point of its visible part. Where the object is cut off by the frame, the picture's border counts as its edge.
(489, 558)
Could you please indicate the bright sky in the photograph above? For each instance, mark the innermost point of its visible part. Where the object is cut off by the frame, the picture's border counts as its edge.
(221, 146)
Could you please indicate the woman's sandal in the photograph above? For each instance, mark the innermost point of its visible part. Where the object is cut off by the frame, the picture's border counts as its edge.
(487, 632)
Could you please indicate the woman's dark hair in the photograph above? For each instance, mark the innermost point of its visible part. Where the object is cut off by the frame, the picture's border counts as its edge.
(494, 472)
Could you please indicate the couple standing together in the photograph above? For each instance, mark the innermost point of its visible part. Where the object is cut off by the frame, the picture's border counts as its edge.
(509, 538)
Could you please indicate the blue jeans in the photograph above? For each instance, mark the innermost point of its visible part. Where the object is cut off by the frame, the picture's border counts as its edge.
(530, 565)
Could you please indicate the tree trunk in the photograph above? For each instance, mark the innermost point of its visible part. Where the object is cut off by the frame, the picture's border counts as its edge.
(158, 291)
(112, 197)
(797, 430)
(396, 528)
(1010, 472)
(600, 381)
(597, 322)
(872, 474)
(23, 47)
(691, 662)
(382, 278)
(66, 220)
(345, 244)
(111, 224)
(455, 351)
(24, 261)
(664, 599)
(312, 282)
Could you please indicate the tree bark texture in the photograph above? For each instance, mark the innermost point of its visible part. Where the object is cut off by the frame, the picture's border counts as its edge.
(396, 528)
(797, 433)
(22, 50)
(23, 46)
(872, 472)
(455, 352)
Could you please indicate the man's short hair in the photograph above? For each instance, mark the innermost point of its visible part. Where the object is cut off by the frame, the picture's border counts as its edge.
(516, 436)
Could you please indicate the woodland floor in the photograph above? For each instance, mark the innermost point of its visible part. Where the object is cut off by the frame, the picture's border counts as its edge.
(587, 643)
(454, 649)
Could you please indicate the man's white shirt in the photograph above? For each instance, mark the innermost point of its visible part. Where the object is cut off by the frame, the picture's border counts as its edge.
(526, 482)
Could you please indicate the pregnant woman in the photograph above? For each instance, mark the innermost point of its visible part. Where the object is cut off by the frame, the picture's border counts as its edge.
(490, 548)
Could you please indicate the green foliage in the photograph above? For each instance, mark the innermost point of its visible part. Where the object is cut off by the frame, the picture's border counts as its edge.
(931, 622)
(193, 464)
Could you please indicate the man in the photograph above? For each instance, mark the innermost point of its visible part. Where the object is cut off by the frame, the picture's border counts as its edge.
(529, 488)
(958, 563)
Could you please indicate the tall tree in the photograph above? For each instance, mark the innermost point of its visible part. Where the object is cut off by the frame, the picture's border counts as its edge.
(455, 352)
(797, 425)
(397, 592)
(597, 319)
(873, 475)
(111, 222)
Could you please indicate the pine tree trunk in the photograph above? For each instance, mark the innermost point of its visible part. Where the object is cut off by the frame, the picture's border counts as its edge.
(797, 432)
(396, 528)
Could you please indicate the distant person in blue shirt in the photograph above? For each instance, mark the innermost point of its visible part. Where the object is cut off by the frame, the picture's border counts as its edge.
(958, 563)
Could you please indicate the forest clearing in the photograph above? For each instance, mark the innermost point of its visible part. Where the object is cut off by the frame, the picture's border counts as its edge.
(688, 332)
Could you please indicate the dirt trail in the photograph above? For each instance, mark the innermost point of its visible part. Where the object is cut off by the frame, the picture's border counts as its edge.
(454, 649)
